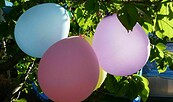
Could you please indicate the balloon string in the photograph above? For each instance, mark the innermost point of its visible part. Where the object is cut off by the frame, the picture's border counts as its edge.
(140, 72)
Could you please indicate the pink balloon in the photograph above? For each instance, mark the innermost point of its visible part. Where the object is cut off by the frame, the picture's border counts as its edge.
(69, 70)
(120, 52)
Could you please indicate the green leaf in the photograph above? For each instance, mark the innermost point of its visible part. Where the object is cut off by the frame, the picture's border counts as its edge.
(148, 28)
(159, 34)
(164, 25)
(145, 89)
(162, 69)
(81, 21)
(128, 17)
(78, 13)
(171, 66)
(91, 6)
(145, 93)
(121, 87)
(2, 3)
(118, 78)
(161, 47)
(145, 13)
(21, 100)
(111, 83)
(85, 22)
(169, 60)
(161, 54)
(161, 65)
(132, 91)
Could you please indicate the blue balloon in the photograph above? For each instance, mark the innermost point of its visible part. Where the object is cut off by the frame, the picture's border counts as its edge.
(40, 27)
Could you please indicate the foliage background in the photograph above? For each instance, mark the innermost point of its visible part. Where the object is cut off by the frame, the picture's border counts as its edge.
(18, 71)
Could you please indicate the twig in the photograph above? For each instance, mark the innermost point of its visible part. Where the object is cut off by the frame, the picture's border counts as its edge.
(20, 86)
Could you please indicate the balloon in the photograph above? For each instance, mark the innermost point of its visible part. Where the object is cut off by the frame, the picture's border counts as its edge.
(102, 74)
(69, 70)
(120, 52)
(40, 27)
(88, 39)
(102, 77)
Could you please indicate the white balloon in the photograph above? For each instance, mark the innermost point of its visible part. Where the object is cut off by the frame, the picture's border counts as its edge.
(40, 27)
(120, 52)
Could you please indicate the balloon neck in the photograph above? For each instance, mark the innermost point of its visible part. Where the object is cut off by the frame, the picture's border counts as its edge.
(81, 36)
